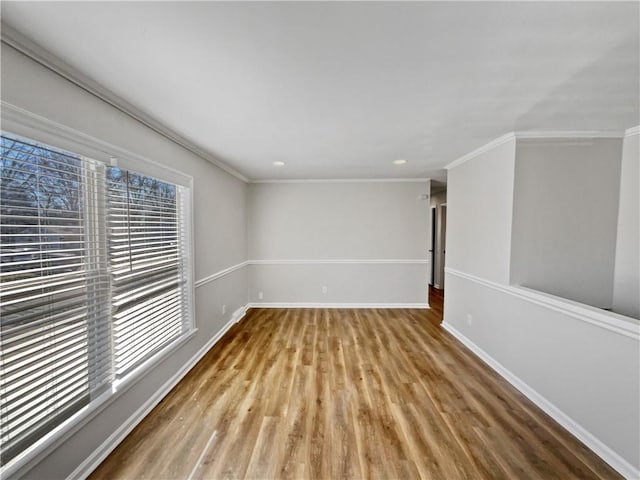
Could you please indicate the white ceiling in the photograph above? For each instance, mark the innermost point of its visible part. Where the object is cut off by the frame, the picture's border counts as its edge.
(339, 90)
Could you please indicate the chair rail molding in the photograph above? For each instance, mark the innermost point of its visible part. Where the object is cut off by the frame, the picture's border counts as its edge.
(352, 261)
(220, 274)
(611, 321)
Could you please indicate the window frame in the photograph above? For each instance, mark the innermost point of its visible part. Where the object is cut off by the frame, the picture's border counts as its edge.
(34, 128)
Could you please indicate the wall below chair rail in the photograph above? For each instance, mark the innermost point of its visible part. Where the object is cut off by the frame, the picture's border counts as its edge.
(375, 284)
(583, 375)
(366, 242)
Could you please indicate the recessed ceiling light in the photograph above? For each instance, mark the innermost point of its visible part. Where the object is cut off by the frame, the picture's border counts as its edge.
(278, 163)
(399, 162)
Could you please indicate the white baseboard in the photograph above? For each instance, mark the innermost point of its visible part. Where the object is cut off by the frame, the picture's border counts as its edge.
(338, 305)
(238, 314)
(92, 461)
(603, 451)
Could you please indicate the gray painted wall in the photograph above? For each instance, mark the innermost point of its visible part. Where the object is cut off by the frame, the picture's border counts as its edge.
(626, 288)
(479, 214)
(564, 217)
(346, 284)
(587, 372)
(219, 226)
(354, 221)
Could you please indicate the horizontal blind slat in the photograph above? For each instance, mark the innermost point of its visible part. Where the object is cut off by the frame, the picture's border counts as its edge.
(92, 282)
(55, 348)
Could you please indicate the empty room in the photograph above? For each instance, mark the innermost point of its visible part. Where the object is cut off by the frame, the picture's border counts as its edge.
(319, 240)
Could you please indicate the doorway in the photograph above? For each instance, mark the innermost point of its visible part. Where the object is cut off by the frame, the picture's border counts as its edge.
(437, 238)
(442, 245)
(432, 253)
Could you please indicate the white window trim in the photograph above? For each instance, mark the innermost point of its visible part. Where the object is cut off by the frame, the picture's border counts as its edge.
(35, 127)
(56, 437)
(22, 123)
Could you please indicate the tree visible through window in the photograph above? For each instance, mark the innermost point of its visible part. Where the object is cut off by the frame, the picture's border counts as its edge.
(93, 281)
(144, 254)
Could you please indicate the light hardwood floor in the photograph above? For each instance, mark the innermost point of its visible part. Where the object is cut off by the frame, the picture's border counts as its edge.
(337, 393)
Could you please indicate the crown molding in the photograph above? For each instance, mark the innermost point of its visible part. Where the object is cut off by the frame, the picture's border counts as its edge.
(342, 180)
(483, 149)
(35, 52)
(629, 132)
(534, 135)
(568, 134)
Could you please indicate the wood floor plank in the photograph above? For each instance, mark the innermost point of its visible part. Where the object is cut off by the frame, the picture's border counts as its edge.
(347, 393)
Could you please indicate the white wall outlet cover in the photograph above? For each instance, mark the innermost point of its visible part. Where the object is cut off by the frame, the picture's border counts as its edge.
(324, 289)
(469, 319)
(260, 295)
(224, 309)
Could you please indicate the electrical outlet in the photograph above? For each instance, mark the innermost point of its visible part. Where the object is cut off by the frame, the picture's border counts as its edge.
(224, 309)
(469, 319)
(260, 295)
(324, 289)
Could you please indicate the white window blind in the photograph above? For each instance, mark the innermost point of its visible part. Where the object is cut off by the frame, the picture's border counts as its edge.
(147, 265)
(93, 281)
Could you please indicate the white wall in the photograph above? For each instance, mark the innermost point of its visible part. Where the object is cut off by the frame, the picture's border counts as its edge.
(219, 223)
(564, 217)
(359, 230)
(626, 288)
(479, 214)
(579, 363)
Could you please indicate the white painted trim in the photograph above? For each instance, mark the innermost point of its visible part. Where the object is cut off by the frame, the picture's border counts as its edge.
(22, 122)
(632, 131)
(63, 432)
(92, 461)
(603, 451)
(528, 135)
(479, 151)
(16, 40)
(339, 305)
(372, 261)
(239, 314)
(220, 274)
(611, 321)
(134, 376)
(341, 180)
(534, 134)
(375, 261)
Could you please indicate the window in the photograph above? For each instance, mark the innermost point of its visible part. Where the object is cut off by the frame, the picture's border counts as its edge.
(147, 275)
(94, 280)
